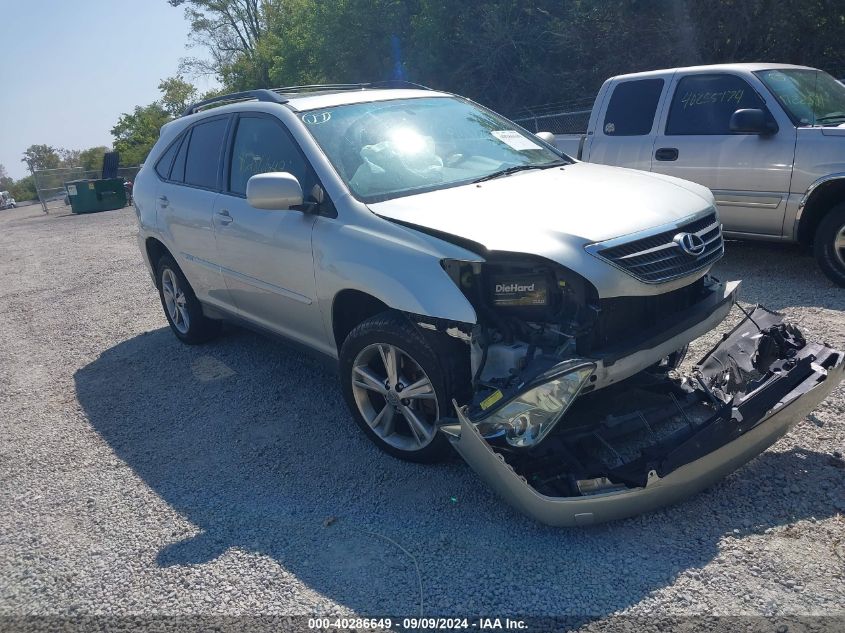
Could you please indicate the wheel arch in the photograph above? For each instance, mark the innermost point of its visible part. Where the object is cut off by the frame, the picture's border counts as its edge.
(155, 250)
(351, 307)
(821, 197)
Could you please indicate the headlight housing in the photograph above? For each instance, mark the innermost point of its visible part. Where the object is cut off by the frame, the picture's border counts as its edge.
(528, 416)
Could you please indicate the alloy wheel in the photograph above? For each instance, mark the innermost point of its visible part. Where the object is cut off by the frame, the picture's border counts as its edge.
(175, 301)
(395, 396)
(839, 246)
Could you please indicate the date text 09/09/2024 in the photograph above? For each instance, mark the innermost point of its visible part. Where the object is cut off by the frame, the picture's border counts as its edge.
(485, 623)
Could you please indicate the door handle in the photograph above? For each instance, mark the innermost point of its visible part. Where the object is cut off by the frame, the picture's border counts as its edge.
(223, 217)
(163, 201)
(666, 153)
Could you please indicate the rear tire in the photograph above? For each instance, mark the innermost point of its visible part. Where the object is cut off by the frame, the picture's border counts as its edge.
(398, 382)
(829, 244)
(181, 306)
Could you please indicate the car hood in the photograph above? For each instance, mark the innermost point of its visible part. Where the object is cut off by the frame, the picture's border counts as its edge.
(540, 211)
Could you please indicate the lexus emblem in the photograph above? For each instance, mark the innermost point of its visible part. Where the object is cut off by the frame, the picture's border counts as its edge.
(690, 243)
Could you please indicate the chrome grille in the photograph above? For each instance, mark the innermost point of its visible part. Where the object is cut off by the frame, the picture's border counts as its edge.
(657, 258)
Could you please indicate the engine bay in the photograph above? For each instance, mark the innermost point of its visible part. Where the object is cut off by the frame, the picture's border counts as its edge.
(533, 313)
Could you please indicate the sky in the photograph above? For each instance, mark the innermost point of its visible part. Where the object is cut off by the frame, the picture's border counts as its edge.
(69, 68)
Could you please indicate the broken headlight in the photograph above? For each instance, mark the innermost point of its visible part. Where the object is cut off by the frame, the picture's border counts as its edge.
(528, 416)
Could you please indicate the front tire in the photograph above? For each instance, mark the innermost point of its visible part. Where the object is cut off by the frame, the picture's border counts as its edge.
(181, 306)
(398, 382)
(829, 244)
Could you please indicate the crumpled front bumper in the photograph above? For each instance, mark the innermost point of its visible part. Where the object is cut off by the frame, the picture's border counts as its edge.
(782, 407)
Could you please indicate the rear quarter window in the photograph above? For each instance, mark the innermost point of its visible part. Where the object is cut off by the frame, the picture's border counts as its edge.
(632, 107)
(166, 161)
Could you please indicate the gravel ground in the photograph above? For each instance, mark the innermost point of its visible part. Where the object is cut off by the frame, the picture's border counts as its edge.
(141, 476)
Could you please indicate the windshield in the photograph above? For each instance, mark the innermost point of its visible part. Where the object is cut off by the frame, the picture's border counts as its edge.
(387, 149)
(810, 97)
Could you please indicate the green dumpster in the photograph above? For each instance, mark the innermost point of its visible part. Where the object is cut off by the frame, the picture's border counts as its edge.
(88, 196)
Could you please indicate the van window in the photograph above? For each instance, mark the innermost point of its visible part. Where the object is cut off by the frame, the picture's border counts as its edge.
(166, 161)
(262, 145)
(703, 104)
(203, 157)
(632, 107)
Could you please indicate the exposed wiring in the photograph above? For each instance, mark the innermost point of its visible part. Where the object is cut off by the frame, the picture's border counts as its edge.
(759, 329)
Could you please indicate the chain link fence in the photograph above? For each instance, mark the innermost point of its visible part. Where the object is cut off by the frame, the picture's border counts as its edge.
(50, 183)
(558, 118)
(558, 123)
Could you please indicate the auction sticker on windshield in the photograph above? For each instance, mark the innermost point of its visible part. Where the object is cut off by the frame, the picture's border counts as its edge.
(315, 118)
(515, 140)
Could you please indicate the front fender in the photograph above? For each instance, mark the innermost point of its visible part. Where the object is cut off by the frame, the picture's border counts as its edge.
(396, 265)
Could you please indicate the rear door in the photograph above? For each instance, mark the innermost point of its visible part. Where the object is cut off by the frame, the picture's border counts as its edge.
(625, 136)
(186, 201)
(749, 174)
(265, 255)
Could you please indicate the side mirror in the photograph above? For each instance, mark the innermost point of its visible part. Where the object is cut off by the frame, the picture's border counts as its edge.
(753, 121)
(274, 191)
(548, 137)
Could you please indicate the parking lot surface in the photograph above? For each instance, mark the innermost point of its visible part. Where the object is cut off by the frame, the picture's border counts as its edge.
(142, 476)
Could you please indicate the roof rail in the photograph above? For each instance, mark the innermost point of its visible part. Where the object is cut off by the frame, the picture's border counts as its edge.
(318, 87)
(389, 83)
(247, 95)
(396, 83)
(277, 95)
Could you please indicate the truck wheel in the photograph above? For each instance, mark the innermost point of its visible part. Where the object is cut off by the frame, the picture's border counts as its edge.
(181, 306)
(829, 244)
(397, 384)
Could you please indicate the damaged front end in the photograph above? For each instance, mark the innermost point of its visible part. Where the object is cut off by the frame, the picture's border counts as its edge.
(567, 455)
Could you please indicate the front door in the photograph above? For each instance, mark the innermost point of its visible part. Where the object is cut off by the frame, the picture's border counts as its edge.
(749, 174)
(265, 256)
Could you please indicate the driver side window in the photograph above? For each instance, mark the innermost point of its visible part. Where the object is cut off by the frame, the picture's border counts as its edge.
(262, 145)
(703, 104)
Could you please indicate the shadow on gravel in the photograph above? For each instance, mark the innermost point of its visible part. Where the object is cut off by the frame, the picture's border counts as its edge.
(253, 445)
(778, 276)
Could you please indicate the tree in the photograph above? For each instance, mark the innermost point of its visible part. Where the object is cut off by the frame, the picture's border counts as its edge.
(231, 31)
(24, 189)
(40, 157)
(91, 159)
(177, 95)
(136, 132)
(5, 181)
(68, 157)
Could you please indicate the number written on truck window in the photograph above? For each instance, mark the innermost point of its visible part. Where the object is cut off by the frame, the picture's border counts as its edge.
(703, 104)
(632, 107)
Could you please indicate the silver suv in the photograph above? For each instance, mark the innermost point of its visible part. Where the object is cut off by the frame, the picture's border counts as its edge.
(475, 287)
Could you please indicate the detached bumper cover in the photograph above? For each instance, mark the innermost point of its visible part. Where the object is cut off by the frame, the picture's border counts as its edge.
(758, 408)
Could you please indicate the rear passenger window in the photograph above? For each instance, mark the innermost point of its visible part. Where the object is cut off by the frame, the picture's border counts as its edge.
(203, 158)
(632, 107)
(261, 145)
(703, 104)
(164, 163)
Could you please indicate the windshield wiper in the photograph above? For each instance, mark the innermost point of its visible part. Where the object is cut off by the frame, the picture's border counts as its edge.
(831, 117)
(515, 168)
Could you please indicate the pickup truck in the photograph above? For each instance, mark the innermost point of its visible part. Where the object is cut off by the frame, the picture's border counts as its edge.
(767, 139)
